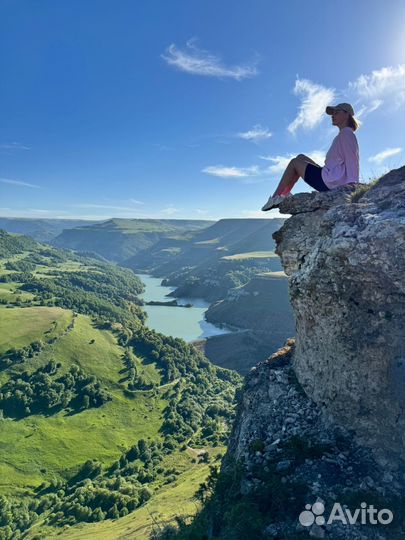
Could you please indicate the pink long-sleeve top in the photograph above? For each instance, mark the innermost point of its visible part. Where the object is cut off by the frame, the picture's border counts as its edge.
(342, 160)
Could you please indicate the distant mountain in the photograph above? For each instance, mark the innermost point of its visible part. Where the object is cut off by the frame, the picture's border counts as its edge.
(225, 237)
(121, 239)
(42, 230)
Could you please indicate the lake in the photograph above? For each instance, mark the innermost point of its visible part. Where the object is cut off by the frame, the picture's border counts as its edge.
(186, 323)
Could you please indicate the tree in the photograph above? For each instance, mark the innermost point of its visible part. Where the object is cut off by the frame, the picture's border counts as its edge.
(98, 514)
(86, 401)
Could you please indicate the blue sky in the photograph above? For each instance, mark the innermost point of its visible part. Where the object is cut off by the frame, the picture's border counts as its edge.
(187, 109)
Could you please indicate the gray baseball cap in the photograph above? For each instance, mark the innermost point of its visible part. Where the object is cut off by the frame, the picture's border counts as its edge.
(344, 106)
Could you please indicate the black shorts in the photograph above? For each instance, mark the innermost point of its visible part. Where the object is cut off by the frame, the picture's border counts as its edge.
(313, 177)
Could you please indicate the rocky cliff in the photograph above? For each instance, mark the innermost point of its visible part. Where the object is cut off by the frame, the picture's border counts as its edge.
(322, 419)
(344, 255)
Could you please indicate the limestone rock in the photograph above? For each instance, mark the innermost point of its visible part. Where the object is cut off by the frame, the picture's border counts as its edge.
(345, 262)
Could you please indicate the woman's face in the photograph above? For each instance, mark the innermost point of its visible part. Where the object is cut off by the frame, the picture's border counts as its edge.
(340, 118)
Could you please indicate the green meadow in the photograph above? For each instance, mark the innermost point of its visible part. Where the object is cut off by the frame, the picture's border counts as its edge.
(38, 447)
(21, 326)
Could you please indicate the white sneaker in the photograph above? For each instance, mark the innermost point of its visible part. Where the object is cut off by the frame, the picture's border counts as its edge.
(273, 202)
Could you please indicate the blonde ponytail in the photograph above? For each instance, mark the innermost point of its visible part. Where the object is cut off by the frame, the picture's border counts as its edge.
(353, 123)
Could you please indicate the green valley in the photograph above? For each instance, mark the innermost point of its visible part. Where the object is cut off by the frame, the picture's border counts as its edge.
(106, 425)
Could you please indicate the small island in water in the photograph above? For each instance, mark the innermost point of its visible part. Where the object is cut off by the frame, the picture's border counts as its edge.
(169, 303)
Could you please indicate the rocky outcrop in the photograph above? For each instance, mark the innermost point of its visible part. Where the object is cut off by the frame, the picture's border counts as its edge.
(292, 456)
(343, 252)
(321, 421)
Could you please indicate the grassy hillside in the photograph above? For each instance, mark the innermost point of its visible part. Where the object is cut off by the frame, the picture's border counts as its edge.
(19, 328)
(32, 447)
(100, 415)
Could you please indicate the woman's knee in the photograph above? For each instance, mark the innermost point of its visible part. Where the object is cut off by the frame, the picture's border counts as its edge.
(295, 162)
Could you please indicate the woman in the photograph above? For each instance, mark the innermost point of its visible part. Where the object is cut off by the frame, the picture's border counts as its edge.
(341, 162)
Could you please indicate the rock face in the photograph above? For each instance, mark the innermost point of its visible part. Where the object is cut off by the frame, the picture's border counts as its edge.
(287, 446)
(344, 254)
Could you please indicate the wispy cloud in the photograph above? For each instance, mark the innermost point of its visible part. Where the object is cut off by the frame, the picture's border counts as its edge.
(314, 99)
(255, 173)
(379, 86)
(257, 133)
(370, 107)
(381, 156)
(45, 211)
(170, 210)
(42, 213)
(232, 172)
(104, 206)
(14, 146)
(317, 155)
(280, 162)
(368, 93)
(201, 62)
(18, 183)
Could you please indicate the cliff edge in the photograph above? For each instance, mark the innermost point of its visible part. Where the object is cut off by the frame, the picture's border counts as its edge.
(321, 421)
(344, 254)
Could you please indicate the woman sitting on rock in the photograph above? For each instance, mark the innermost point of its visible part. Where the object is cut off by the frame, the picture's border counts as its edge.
(341, 162)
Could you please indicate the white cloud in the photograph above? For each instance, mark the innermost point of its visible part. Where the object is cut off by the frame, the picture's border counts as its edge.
(318, 156)
(314, 99)
(257, 133)
(368, 93)
(232, 172)
(45, 211)
(104, 206)
(280, 162)
(381, 156)
(170, 211)
(372, 106)
(200, 62)
(49, 214)
(18, 183)
(14, 146)
(386, 83)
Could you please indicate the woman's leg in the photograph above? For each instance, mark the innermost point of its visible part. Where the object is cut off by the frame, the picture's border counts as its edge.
(295, 170)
